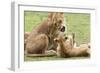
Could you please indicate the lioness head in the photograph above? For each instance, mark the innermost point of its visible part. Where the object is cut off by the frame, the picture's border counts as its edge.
(57, 26)
(57, 21)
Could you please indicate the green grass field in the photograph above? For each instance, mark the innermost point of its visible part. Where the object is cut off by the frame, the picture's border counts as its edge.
(78, 23)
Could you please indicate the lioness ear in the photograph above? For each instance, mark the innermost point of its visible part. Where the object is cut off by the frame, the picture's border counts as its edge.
(61, 13)
(50, 16)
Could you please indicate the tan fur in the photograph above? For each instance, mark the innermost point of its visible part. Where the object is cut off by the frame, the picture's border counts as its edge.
(66, 49)
(26, 34)
(42, 36)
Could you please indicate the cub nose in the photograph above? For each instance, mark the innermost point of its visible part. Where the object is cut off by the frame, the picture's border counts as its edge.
(62, 29)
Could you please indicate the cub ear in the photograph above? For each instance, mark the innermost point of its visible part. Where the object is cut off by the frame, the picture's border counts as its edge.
(73, 34)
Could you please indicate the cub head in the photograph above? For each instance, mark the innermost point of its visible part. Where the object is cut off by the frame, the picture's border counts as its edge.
(60, 40)
(67, 40)
(70, 40)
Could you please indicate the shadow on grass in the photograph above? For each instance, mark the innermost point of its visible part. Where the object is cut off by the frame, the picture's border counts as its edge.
(51, 58)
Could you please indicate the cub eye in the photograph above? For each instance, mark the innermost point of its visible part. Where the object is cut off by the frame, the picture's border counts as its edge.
(66, 37)
(56, 40)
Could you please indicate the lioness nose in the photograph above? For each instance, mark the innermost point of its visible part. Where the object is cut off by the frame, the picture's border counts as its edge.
(62, 29)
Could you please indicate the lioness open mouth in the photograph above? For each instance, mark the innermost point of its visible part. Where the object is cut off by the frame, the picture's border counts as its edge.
(63, 29)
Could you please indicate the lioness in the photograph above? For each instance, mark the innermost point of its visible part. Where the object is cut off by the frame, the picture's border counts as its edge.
(41, 37)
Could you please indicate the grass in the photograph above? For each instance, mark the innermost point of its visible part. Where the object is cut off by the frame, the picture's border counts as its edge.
(79, 23)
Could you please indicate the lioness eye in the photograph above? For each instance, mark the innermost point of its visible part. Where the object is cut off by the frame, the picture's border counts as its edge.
(60, 21)
(55, 24)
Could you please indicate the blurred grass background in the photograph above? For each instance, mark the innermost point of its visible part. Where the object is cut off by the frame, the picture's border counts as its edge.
(79, 23)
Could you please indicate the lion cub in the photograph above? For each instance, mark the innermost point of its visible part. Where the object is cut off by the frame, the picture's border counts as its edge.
(66, 47)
